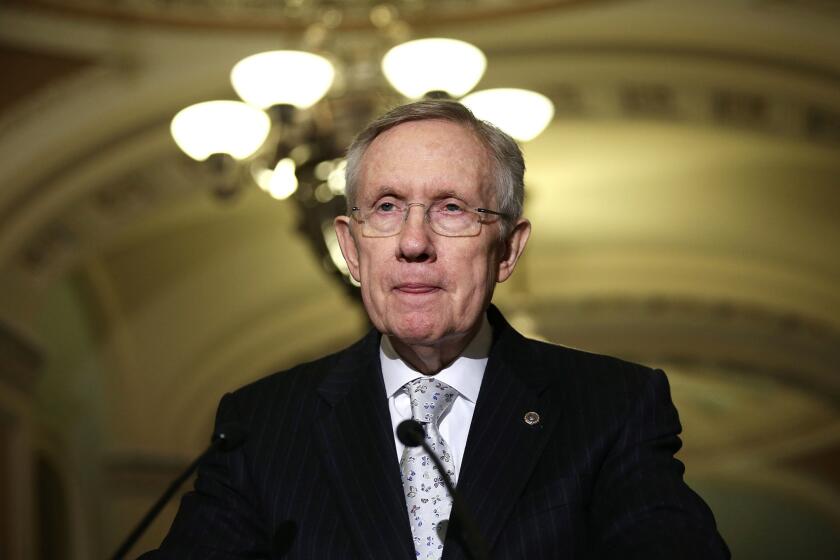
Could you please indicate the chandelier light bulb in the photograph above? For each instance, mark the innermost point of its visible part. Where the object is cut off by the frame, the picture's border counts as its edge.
(283, 182)
(415, 68)
(220, 127)
(336, 178)
(295, 78)
(522, 113)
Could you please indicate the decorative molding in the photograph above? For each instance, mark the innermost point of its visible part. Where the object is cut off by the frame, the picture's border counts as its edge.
(297, 15)
(21, 361)
(74, 84)
(714, 105)
(91, 221)
(129, 196)
(34, 71)
(827, 8)
(785, 345)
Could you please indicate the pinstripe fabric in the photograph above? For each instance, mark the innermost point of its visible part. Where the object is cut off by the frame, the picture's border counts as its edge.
(595, 478)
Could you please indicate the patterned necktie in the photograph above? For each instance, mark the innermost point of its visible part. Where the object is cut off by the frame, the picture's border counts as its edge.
(426, 496)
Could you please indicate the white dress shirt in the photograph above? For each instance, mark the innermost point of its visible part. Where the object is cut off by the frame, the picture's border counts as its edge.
(464, 375)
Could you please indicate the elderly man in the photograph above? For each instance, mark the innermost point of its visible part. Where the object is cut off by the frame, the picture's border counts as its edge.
(556, 452)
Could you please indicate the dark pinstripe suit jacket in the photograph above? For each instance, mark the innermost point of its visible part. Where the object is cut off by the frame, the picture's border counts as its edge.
(318, 476)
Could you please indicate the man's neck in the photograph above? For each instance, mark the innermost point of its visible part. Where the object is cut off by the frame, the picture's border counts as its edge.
(431, 359)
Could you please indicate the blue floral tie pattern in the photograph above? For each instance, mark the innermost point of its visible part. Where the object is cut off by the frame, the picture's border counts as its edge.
(426, 496)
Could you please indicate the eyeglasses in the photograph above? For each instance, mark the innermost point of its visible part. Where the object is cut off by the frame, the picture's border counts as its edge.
(446, 217)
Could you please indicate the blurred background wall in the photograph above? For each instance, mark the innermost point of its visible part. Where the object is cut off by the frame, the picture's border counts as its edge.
(686, 212)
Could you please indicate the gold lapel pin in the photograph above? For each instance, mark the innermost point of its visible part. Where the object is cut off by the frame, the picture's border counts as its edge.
(531, 418)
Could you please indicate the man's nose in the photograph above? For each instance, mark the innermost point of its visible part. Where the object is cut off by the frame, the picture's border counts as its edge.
(415, 241)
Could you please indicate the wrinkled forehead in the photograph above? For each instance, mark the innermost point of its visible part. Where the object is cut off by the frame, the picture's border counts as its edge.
(424, 157)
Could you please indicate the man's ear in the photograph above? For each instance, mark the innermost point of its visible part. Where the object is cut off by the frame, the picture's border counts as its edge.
(512, 248)
(347, 243)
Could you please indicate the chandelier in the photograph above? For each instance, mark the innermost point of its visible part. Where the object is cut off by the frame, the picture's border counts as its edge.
(300, 109)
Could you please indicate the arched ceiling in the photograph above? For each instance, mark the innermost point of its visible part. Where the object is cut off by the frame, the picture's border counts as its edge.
(691, 167)
(298, 14)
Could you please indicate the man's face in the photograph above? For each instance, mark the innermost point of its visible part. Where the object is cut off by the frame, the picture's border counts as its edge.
(418, 286)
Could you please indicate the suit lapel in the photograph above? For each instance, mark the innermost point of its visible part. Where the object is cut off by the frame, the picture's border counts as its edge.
(358, 454)
(502, 449)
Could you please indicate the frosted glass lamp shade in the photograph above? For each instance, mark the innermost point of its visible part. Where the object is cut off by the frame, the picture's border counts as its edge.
(521, 113)
(282, 78)
(220, 127)
(416, 68)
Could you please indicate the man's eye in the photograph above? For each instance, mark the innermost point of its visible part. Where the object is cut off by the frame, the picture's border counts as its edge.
(386, 207)
(451, 208)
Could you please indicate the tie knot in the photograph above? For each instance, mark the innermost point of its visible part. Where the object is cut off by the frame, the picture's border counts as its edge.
(430, 398)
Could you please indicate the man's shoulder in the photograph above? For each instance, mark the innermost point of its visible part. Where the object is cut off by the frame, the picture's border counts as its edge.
(592, 383)
(305, 377)
(564, 364)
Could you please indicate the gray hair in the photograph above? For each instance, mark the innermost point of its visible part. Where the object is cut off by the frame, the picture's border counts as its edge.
(509, 164)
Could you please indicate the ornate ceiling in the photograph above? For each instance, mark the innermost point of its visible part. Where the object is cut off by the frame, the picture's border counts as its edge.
(684, 202)
(299, 14)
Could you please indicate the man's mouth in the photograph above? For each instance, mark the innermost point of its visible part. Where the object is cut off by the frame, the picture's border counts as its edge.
(416, 288)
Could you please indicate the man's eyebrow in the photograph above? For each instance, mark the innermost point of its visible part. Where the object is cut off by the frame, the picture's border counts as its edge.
(388, 190)
(448, 193)
(385, 190)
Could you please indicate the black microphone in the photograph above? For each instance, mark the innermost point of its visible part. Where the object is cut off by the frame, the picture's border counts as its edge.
(227, 438)
(411, 434)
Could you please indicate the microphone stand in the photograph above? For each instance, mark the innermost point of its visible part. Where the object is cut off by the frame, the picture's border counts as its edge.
(411, 433)
(226, 439)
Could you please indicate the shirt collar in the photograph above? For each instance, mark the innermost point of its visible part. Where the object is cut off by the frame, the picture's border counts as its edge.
(464, 374)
